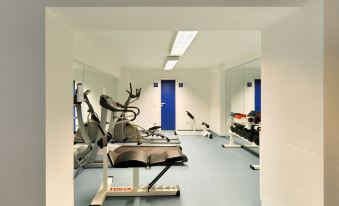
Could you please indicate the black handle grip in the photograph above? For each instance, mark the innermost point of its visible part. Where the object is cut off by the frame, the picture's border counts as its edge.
(90, 106)
(136, 108)
(189, 114)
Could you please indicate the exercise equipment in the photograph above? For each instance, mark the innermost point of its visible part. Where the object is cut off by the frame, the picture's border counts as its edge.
(204, 132)
(247, 130)
(246, 127)
(136, 157)
(127, 132)
(85, 148)
(91, 126)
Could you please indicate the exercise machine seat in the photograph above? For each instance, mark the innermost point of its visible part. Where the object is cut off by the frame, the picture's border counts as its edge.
(207, 125)
(154, 128)
(145, 156)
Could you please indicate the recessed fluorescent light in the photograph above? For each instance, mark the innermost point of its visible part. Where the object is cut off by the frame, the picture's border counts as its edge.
(170, 63)
(182, 42)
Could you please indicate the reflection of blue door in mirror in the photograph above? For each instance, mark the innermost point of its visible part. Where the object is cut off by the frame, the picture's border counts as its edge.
(257, 95)
(168, 104)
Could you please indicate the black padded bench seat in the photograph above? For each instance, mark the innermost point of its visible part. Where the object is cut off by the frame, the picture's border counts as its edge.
(154, 128)
(145, 156)
(206, 125)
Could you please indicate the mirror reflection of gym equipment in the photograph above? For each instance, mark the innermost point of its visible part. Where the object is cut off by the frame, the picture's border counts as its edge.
(244, 123)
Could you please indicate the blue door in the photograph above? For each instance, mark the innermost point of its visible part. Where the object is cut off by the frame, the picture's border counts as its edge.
(168, 104)
(257, 95)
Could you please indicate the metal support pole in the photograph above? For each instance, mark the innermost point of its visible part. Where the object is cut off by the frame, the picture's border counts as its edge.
(150, 185)
(103, 120)
(105, 166)
(135, 179)
(81, 123)
(194, 125)
(231, 139)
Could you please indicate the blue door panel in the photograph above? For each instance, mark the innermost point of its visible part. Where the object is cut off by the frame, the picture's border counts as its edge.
(168, 104)
(257, 95)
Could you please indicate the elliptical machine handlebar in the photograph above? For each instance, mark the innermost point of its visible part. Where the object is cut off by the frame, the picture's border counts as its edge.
(190, 115)
(90, 106)
(109, 104)
(131, 95)
(130, 92)
(91, 111)
(129, 107)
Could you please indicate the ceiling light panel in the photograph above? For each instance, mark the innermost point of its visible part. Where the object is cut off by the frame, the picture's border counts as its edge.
(182, 42)
(170, 64)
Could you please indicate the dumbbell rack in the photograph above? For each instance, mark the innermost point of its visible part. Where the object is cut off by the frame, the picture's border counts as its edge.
(232, 143)
(247, 145)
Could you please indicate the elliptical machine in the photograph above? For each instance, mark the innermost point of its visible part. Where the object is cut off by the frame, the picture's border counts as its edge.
(127, 132)
(85, 148)
(91, 125)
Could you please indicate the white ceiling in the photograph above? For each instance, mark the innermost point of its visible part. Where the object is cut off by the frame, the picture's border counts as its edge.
(249, 65)
(171, 18)
(147, 50)
(140, 37)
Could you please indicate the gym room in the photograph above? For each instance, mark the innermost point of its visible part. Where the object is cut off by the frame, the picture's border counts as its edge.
(162, 103)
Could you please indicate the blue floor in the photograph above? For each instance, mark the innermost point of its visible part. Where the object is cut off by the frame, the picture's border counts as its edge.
(213, 176)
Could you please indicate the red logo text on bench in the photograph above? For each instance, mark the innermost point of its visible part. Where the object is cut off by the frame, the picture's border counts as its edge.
(121, 189)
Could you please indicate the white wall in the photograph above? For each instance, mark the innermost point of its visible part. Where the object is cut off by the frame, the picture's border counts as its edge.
(194, 96)
(60, 52)
(22, 90)
(217, 98)
(331, 117)
(86, 52)
(292, 110)
(58, 113)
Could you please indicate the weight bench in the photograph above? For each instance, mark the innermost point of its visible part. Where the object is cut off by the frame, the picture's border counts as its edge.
(132, 156)
(204, 132)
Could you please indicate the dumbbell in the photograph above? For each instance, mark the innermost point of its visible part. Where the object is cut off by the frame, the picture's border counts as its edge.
(250, 136)
(237, 130)
(243, 132)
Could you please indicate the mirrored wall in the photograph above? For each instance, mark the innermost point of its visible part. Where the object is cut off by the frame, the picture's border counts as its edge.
(243, 107)
(86, 128)
(98, 82)
(243, 88)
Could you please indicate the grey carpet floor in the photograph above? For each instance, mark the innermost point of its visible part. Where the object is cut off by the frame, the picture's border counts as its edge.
(213, 176)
